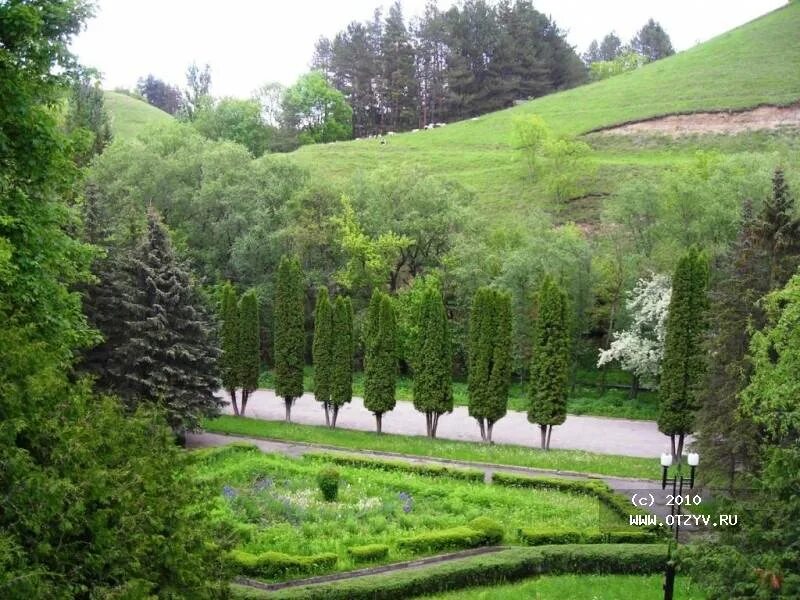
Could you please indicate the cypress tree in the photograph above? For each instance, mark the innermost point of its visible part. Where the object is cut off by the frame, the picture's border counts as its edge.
(433, 394)
(683, 369)
(342, 363)
(322, 350)
(479, 363)
(500, 374)
(228, 361)
(549, 374)
(249, 363)
(169, 357)
(380, 369)
(289, 332)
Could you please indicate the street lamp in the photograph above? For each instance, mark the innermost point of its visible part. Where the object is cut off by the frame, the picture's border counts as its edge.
(677, 482)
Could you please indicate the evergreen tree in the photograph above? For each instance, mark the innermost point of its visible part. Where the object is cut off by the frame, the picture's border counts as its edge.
(289, 332)
(684, 365)
(322, 350)
(610, 47)
(433, 394)
(169, 356)
(380, 368)
(778, 230)
(229, 360)
(342, 363)
(249, 355)
(652, 41)
(489, 365)
(399, 93)
(549, 373)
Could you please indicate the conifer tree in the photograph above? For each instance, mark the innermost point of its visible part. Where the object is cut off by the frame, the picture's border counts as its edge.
(229, 360)
(342, 363)
(779, 232)
(380, 369)
(289, 332)
(249, 354)
(169, 357)
(684, 365)
(549, 374)
(322, 350)
(433, 394)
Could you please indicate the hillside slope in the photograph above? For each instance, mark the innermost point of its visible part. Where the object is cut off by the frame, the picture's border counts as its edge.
(130, 115)
(757, 63)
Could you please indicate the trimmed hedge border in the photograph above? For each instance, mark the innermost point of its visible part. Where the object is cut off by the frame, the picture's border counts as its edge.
(351, 460)
(537, 537)
(272, 564)
(368, 552)
(502, 567)
(453, 538)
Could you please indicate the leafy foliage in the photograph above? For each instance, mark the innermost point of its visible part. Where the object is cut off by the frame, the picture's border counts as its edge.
(328, 481)
(316, 110)
(236, 120)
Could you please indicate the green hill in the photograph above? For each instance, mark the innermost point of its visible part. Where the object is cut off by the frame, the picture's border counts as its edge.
(130, 115)
(757, 63)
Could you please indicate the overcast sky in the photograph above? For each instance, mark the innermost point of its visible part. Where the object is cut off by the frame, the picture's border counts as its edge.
(250, 42)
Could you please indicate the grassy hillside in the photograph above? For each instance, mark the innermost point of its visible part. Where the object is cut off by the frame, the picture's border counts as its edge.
(129, 115)
(754, 64)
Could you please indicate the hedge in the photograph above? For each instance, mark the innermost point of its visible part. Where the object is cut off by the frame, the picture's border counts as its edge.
(368, 552)
(536, 537)
(490, 527)
(504, 566)
(275, 564)
(454, 538)
(350, 460)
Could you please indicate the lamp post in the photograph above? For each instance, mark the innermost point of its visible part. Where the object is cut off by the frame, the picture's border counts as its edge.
(677, 482)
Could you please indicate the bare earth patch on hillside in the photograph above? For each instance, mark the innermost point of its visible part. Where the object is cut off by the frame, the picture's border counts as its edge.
(730, 122)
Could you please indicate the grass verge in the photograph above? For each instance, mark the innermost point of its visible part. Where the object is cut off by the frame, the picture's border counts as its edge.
(500, 454)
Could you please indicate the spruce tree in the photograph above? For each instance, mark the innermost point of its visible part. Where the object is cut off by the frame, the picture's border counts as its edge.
(289, 332)
(228, 361)
(779, 232)
(249, 354)
(322, 350)
(342, 351)
(380, 369)
(169, 357)
(433, 394)
(549, 373)
(684, 366)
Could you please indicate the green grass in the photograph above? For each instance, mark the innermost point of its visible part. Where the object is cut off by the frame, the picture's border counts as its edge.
(130, 116)
(581, 587)
(583, 400)
(501, 454)
(757, 63)
(275, 505)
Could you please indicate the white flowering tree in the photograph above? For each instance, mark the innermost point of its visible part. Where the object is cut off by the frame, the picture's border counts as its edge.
(640, 348)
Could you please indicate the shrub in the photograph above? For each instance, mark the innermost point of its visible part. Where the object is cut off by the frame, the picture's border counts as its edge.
(533, 537)
(328, 481)
(622, 537)
(368, 552)
(276, 564)
(350, 460)
(490, 527)
(454, 538)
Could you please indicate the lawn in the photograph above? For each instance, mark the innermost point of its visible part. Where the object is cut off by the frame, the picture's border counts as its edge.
(580, 587)
(274, 504)
(501, 454)
(130, 116)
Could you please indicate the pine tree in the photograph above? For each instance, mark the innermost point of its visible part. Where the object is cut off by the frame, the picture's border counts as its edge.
(169, 357)
(380, 369)
(398, 77)
(289, 332)
(489, 364)
(549, 373)
(322, 350)
(342, 363)
(684, 365)
(249, 354)
(228, 362)
(433, 394)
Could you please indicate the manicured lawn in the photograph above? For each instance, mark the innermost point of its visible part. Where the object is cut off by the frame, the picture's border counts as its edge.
(565, 460)
(274, 505)
(580, 587)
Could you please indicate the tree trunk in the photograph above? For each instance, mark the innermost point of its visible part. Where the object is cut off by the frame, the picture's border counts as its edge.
(549, 434)
(334, 414)
(233, 401)
(245, 397)
(483, 429)
(428, 424)
(489, 426)
(635, 386)
(672, 446)
(434, 424)
(680, 446)
(378, 417)
(288, 402)
(543, 432)
(327, 415)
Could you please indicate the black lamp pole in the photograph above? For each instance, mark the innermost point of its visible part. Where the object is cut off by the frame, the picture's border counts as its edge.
(678, 481)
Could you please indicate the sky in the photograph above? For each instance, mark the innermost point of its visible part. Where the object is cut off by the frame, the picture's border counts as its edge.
(251, 42)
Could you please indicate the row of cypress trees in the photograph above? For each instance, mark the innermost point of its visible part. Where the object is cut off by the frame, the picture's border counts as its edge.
(332, 353)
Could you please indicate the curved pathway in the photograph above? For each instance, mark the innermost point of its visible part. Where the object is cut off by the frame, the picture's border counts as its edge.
(602, 435)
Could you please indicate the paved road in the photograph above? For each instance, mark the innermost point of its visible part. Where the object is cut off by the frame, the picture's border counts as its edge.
(595, 434)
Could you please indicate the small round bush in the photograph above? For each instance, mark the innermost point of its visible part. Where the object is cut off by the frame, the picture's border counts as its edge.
(493, 530)
(328, 481)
